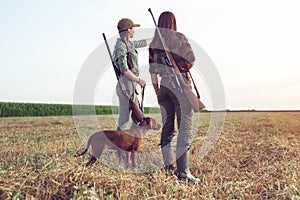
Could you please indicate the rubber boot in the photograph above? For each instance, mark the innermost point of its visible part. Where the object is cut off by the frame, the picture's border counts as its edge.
(183, 172)
(168, 157)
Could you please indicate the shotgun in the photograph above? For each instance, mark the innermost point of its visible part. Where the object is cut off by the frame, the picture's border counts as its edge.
(194, 100)
(137, 114)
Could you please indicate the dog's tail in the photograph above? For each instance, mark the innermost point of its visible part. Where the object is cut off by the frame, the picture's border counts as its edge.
(85, 150)
(80, 153)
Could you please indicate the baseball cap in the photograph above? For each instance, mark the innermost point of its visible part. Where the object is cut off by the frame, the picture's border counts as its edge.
(125, 24)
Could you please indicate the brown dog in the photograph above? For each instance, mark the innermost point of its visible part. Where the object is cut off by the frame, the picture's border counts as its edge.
(128, 140)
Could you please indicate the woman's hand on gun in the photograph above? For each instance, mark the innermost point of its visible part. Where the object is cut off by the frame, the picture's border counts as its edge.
(141, 82)
(133, 77)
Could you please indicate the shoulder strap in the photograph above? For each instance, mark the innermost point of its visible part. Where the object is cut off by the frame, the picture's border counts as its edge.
(129, 59)
(198, 95)
(143, 94)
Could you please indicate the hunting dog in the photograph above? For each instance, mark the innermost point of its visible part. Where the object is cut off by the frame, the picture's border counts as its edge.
(128, 140)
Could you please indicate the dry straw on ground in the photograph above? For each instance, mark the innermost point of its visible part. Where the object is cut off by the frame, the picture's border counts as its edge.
(256, 157)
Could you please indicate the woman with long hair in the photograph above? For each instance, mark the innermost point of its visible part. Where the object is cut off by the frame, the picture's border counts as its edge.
(173, 103)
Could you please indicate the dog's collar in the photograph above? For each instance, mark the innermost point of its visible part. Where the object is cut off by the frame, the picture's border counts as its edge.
(147, 119)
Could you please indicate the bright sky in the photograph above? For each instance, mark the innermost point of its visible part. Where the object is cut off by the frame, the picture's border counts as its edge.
(254, 45)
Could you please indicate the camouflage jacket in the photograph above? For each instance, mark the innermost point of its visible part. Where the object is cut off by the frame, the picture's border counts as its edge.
(179, 47)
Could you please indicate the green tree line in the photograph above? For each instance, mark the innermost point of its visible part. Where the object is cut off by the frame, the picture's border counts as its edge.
(8, 109)
(38, 109)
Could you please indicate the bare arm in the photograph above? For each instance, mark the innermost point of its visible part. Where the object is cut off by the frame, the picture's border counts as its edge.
(149, 40)
(154, 80)
(128, 74)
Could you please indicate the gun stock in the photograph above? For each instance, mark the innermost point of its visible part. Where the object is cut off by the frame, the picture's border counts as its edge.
(194, 101)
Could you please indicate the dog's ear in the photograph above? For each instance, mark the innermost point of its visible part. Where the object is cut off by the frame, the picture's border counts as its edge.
(152, 123)
(144, 122)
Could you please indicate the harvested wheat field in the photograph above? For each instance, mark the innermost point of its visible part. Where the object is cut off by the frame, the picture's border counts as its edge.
(256, 157)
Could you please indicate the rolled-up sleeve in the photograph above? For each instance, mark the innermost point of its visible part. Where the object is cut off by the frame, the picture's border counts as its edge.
(121, 59)
(139, 43)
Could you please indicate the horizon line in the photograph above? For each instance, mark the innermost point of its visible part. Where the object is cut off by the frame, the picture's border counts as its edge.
(218, 110)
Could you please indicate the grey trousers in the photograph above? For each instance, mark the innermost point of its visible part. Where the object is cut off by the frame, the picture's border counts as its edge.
(124, 112)
(175, 104)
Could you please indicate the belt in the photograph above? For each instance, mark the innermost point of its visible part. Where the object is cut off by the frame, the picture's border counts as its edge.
(167, 75)
(186, 75)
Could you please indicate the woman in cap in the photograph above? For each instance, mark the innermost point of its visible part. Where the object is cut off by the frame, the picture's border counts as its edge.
(126, 59)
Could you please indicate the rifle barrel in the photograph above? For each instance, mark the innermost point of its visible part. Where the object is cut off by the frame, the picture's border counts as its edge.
(168, 61)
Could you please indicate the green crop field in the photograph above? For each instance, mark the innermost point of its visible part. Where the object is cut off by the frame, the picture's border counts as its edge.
(256, 157)
(11, 109)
